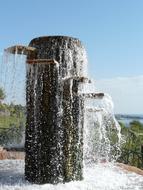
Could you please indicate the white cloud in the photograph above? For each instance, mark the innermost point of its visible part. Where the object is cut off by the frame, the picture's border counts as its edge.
(127, 93)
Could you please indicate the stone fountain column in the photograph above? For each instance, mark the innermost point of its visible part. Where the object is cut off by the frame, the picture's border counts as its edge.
(54, 125)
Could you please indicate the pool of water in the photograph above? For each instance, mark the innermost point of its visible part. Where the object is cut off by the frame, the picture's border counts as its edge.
(98, 177)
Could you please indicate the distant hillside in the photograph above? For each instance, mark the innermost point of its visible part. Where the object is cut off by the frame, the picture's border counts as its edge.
(129, 116)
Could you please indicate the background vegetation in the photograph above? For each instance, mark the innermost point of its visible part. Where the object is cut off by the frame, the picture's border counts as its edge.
(132, 148)
(12, 124)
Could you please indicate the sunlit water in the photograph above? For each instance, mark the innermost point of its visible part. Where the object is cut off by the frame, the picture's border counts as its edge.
(12, 77)
(100, 170)
(102, 133)
(98, 177)
(101, 151)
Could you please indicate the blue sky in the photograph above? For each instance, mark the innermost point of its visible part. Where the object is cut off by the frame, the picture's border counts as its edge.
(110, 29)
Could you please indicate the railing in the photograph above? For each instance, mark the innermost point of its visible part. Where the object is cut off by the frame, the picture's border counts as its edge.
(130, 157)
(11, 135)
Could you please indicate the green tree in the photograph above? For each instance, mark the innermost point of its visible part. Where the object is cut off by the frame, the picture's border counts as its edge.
(2, 94)
(132, 148)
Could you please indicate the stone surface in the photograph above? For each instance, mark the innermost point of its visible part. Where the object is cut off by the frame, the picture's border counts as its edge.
(44, 159)
(15, 155)
(130, 168)
(54, 128)
(72, 124)
(4, 154)
(25, 50)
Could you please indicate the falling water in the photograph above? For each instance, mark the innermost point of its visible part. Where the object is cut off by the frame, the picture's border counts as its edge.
(13, 73)
(12, 80)
(100, 171)
(102, 141)
(102, 131)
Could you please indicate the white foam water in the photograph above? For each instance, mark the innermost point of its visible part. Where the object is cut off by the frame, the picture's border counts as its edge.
(102, 139)
(98, 177)
(100, 154)
(102, 133)
(12, 79)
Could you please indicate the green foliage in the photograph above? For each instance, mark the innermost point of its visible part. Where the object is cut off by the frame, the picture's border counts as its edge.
(12, 117)
(131, 149)
(2, 94)
(11, 135)
(7, 121)
(16, 110)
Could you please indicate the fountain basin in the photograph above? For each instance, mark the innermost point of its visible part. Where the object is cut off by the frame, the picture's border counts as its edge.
(98, 177)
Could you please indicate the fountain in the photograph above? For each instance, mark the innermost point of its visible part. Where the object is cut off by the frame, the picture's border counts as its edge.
(55, 111)
(69, 125)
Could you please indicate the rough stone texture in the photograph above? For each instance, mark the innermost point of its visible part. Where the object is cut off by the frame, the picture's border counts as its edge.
(54, 127)
(67, 51)
(72, 124)
(44, 159)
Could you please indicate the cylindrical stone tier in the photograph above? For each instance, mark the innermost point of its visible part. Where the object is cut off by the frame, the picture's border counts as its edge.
(72, 123)
(67, 51)
(44, 133)
(54, 127)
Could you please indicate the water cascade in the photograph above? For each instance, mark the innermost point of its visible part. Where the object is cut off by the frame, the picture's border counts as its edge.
(102, 136)
(71, 132)
(54, 126)
(12, 111)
